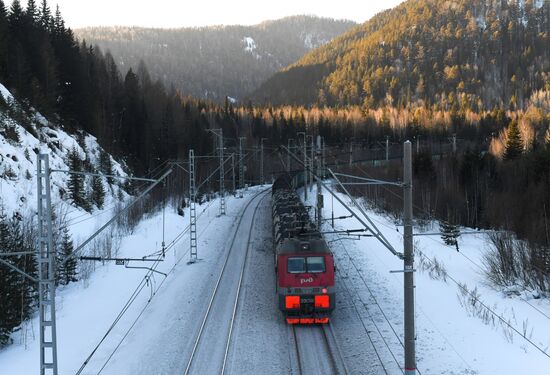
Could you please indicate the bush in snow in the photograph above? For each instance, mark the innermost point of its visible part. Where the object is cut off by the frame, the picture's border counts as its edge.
(510, 261)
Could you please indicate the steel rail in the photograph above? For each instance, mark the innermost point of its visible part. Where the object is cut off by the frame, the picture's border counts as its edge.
(239, 288)
(215, 290)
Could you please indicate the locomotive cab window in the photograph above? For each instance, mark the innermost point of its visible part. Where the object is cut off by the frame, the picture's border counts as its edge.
(306, 265)
(315, 264)
(296, 265)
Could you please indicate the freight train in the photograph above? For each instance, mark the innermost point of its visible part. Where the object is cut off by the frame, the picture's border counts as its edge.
(304, 265)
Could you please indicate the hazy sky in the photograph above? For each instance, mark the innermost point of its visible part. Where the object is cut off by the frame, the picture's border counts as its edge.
(174, 13)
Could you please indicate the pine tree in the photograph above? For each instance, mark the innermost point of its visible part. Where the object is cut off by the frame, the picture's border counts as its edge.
(8, 285)
(105, 165)
(514, 143)
(98, 192)
(58, 22)
(32, 12)
(26, 290)
(66, 273)
(3, 41)
(449, 233)
(45, 16)
(76, 182)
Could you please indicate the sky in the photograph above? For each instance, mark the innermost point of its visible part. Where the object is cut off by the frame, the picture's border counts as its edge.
(185, 13)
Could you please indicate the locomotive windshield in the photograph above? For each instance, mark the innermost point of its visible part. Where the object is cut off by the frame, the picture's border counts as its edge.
(296, 265)
(306, 265)
(315, 264)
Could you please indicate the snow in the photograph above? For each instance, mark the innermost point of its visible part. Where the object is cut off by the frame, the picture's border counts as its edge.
(5, 93)
(450, 338)
(539, 4)
(251, 47)
(312, 41)
(157, 331)
(18, 161)
(250, 44)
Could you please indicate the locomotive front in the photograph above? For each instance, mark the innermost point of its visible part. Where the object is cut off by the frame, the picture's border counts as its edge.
(304, 264)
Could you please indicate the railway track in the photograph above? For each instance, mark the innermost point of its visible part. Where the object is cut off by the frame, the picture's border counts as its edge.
(316, 351)
(213, 340)
(362, 303)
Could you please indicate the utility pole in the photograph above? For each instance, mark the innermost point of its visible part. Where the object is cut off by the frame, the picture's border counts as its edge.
(323, 162)
(408, 260)
(454, 144)
(350, 153)
(319, 187)
(233, 170)
(288, 160)
(192, 208)
(305, 164)
(241, 167)
(387, 147)
(219, 133)
(46, 271)
(262, 161)
(418, 144)
(312, 165)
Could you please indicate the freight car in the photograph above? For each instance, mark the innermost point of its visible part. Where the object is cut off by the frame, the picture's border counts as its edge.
(304, 265)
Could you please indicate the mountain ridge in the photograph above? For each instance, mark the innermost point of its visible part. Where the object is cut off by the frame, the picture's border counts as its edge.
(212, 62)
(485, 53)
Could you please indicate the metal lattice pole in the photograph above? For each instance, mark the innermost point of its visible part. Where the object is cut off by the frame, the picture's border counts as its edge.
(305, 166)
(262, 181)
(323, 158)
(46, 271)
(192, 208)
(311, 162)
(288, 155)
(241, 166)
(408, 259)
(222, 174)
(233, 170)
(318, 163)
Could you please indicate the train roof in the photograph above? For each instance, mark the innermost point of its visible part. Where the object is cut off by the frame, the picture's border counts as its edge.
(301, 247)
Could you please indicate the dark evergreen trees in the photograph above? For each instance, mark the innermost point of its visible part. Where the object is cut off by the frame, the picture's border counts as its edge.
(514, 142)
(17, 294)
(66, 272)
(76, 182)
(98, 192)
(449, 233)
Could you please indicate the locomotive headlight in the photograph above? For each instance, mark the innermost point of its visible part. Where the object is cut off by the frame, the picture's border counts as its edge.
(322, 301)
(324, 290)
(292, 302)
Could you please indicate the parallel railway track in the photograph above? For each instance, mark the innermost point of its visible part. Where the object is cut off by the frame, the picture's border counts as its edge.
(219, 317)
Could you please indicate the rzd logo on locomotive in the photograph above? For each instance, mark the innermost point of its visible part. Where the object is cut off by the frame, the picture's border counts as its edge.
(308, 280)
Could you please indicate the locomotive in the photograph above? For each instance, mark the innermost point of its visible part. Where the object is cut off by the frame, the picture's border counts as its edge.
(304, 265)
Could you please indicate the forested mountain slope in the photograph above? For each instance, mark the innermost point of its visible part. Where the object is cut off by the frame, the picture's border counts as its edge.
(462, 53)
(214, 62)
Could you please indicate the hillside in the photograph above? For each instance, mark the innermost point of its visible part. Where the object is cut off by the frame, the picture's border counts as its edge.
(214, 62)
(462, 53)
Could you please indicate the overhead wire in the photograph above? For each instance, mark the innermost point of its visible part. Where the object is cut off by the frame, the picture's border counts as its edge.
(430, 216)
(503, 321)
(137, 291)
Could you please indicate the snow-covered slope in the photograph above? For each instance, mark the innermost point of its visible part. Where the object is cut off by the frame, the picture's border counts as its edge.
(19, 146)
(463, 325)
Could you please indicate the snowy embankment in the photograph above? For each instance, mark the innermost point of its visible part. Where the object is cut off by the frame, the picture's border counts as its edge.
(456, 334)
(159, 312)
(18, 148)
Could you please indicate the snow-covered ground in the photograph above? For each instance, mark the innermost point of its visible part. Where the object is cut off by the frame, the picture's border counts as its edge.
(157, 330)
(451, 339)
(158, 325)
